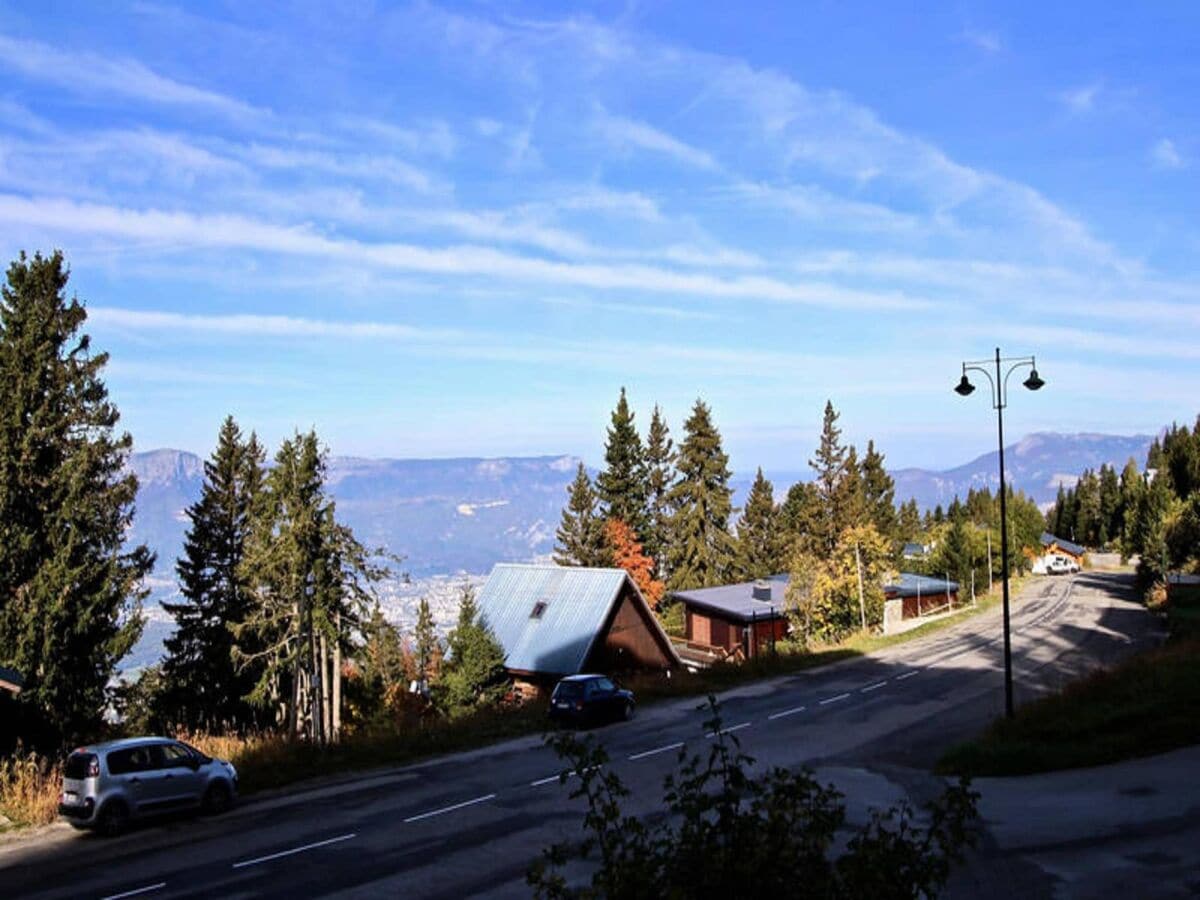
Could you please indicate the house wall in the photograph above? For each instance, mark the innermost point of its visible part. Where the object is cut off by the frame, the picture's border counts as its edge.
(705, 627)
(629, 641)
(928, 603)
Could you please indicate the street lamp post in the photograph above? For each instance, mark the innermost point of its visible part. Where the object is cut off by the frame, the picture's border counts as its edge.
(999, 386)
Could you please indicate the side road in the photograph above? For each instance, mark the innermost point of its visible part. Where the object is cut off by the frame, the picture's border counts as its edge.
(1130, 829)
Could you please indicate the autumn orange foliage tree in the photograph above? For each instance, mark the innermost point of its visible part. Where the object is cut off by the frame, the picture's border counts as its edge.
(627, 554)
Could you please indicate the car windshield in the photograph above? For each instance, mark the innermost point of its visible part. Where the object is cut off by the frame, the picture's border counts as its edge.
(78, 764)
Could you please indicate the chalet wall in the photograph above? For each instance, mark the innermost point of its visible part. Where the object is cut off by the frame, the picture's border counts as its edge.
(630, 641)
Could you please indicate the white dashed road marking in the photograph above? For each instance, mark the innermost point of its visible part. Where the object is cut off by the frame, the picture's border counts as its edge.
(646, 753)
(142, 890)
(269, 857)
(713, 734)
(446, 809)
(907, 675)
(834, 699)
(787, 712)
(874, 687)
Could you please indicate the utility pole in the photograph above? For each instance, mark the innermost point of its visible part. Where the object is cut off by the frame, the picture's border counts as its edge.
(989, 542)
(862, 603)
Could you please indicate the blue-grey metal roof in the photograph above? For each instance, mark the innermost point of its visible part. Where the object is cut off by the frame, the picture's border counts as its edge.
(910, 585)
(11, 679)
(1070, 546)
(577, 601)
(737, 600)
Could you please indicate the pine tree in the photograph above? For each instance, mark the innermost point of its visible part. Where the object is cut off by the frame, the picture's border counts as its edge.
(879, 493)
(660, 475)
(1132, 486)
(627, 553)
(909, 521)
(426, 644)
(760, 548)
(1110, 505)
(800, 515)
(701, 552)
(829, 464)
(474, 673)
(70, 590)
(580, 536)
(312, 583)
(204, 689)
(622, 485)
(953, 556)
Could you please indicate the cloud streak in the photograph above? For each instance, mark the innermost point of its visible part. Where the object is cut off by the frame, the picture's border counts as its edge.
(92, 73)
(182, 230)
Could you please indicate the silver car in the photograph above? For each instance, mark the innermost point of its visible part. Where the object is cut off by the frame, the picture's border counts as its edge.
(106, 785)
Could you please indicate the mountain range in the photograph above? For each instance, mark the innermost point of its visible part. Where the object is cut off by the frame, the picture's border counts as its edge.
(455, 515)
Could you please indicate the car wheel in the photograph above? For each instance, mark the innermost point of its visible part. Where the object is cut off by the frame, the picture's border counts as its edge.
(113, 818)
(217, 799)
(627, 713)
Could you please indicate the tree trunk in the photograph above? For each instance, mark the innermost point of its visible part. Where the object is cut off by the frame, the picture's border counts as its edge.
(326, 692)
(337, 680)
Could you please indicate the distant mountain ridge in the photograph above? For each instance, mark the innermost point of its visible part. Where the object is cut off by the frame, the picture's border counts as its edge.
(442, 515)
(1037, 465)
(454, 515)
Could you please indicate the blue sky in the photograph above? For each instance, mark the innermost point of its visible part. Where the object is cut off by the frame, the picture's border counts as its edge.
(434, 230)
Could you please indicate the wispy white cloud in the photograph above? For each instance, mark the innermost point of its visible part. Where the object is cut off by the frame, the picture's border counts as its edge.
(989, 42)
(259, 325)
(1165, 155)
(1081, 99)
(179, 229)
(628, 133)
(596, 198)
(376, 168)
(93, 73)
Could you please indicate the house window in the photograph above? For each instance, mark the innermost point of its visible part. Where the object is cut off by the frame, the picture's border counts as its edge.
(538, 609)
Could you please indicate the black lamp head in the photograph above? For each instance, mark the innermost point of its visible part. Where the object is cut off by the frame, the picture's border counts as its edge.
(1034, 381)
(965, 388)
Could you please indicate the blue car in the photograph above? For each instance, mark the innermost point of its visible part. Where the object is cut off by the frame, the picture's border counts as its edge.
(590, 700)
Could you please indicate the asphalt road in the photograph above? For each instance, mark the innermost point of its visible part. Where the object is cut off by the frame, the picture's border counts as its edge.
(470, 824)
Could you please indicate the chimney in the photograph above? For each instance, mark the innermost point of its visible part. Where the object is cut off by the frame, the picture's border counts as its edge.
(761, 591)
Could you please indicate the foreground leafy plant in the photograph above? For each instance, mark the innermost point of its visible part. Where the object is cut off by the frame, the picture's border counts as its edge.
(727, 834)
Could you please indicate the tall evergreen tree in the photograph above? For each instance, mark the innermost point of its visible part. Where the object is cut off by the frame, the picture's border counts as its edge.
(426, 644)
(660, 475)
(312, 583)
(760, 548)
(908, 522)
(1132, 486)
(800, 515)
(838, 489)
(1110, 505)
(621, 486)
(204, 688)
(70, 590)
(580, 536)
(702, 548)
(879, 493)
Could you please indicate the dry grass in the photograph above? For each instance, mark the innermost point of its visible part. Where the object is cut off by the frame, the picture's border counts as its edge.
(29, 789)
